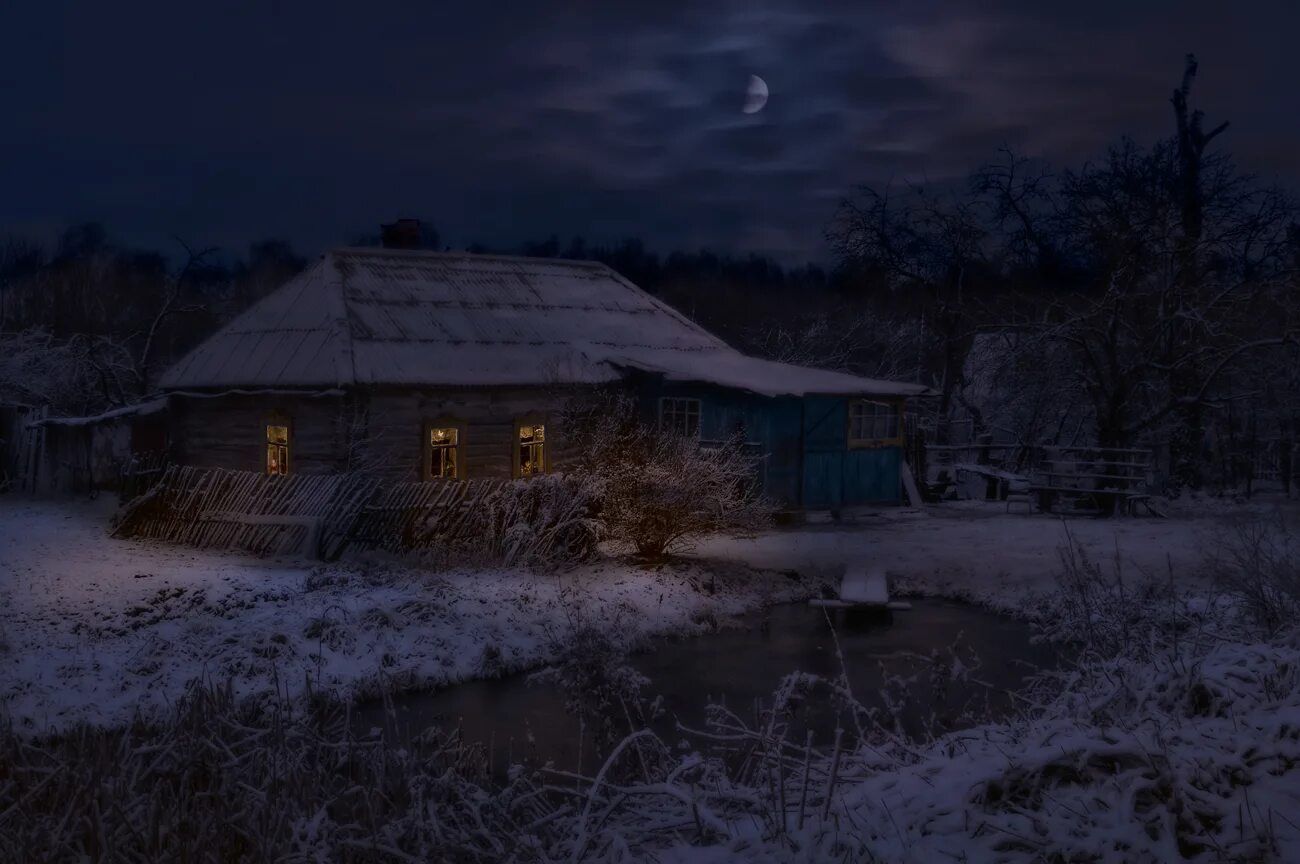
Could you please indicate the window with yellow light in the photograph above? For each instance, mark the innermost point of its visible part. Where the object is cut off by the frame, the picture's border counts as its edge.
(532, 449)
(444, 453)
(277, 449)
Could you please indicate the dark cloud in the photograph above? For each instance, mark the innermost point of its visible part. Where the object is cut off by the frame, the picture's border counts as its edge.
(229, 122)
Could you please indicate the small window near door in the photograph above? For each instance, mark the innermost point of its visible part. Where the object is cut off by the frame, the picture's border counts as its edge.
(277, 449)
(872, 423)
(680, 416)
(444, 453)
(532, 449)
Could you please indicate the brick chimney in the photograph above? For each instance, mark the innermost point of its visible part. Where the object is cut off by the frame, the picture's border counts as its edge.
(402, 234)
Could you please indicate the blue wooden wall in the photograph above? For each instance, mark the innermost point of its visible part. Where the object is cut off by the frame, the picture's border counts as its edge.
(807, 463)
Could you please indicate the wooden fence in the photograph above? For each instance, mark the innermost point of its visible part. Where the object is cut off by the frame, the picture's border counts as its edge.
(406, 516)
(319, 515)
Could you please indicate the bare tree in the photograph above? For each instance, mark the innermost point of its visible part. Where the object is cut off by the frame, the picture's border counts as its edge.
(170, 304)
(76, 346)
(863, 340)
(931, 247)
(1148, 350)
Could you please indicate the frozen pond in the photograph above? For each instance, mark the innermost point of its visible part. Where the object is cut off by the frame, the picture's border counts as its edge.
(518, 719)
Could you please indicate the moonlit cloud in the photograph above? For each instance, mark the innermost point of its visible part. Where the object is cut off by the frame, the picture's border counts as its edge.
(314, 122)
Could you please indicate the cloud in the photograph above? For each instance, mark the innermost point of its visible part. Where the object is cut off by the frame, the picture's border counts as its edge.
(520, 120)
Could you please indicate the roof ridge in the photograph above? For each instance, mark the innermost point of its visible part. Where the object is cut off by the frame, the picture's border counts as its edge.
(383, 251)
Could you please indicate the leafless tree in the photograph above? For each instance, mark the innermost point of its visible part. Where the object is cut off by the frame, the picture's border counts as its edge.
(83, 365)
(1150, 350)
(860, 340)
(929, 246)
(1156, 282)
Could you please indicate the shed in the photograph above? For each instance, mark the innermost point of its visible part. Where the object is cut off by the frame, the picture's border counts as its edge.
(41, 454)
(420, 365)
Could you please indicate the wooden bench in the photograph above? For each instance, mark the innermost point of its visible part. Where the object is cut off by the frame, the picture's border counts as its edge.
(1114, 478)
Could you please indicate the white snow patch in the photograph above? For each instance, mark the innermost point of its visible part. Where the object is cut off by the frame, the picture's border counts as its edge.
(977, 551)
(93, 628)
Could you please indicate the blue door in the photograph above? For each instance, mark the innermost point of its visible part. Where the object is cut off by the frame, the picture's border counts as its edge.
(823, 452)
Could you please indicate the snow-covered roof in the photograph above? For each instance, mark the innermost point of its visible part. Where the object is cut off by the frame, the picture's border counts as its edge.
(399, 317)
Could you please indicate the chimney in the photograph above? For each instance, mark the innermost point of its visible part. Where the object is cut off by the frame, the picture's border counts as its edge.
(402, 234)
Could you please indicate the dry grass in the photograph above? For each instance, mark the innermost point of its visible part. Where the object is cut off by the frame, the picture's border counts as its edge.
(223, 782)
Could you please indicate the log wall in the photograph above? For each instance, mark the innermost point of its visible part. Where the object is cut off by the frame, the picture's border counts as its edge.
(487, 421)
(381, 432)
(230, 431)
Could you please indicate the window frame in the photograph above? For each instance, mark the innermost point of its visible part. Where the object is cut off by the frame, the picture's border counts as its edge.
(516, 467)
(426, 447)
(268, 421)
(699, 415)
(896, 408)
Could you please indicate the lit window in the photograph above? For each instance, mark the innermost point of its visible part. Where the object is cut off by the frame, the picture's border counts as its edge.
(532, 449)
(444, 453)
(277, 449)
(679, 415)
(872, 422)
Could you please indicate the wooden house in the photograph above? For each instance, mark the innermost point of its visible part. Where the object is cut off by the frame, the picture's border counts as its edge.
(417, 364)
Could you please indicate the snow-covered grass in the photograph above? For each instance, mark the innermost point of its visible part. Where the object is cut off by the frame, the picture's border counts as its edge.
(1175, 735)
(95, 629)
(976, 551)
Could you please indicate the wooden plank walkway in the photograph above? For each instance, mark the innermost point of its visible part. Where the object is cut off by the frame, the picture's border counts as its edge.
(864, 586)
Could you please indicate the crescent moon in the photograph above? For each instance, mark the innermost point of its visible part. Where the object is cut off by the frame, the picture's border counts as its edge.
(755, 95)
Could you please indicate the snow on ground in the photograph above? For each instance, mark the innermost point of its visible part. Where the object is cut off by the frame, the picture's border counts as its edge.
(92, 628)
(976, 550)
(1188, 751)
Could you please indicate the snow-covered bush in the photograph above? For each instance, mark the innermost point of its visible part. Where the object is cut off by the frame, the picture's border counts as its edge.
(77, 375)
(660, 490)
(1257, 563)
(545, 520)
(605, 693)
(1106, 611)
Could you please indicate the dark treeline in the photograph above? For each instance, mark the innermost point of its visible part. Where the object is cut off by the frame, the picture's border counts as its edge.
(1148, 297)
(734, 296)
(88, 325)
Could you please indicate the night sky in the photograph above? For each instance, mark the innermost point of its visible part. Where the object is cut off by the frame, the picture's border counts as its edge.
(503, 121)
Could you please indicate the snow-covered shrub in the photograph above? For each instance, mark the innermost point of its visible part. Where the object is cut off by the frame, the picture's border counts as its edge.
(544, 520)
(660, 490)
(606, 694)
(1257, 562)
(1108, 612)
(74, 376)
(591, 669)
